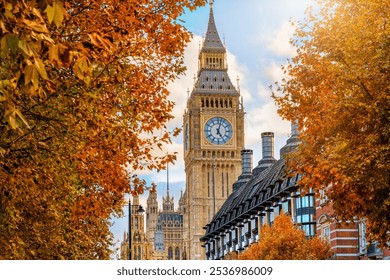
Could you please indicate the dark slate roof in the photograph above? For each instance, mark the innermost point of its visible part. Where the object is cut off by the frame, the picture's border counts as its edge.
(214, 81)
(257, 194)
(212, 40)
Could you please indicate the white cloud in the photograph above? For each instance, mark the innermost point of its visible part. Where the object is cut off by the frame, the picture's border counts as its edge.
(262, 119)
(280, 43)
(274, 72)
(239, 71)
(180, 86)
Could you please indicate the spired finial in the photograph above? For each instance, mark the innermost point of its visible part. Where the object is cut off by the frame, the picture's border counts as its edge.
(211, 3)
(167, 180)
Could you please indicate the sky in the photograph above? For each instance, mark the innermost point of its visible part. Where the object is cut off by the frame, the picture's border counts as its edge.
(257, 35)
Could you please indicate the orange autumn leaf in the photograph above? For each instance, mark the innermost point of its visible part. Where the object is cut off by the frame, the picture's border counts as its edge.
(284, 241)
(82, 93)
(338, 91)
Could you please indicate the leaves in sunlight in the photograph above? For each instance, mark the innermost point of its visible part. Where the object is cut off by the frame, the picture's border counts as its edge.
(339, 93)
(283, 241)
(82, 95)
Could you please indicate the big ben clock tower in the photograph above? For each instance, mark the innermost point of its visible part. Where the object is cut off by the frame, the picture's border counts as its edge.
(213, 139)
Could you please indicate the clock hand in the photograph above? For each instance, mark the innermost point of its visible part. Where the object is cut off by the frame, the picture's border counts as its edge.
(219, 127)
(220, 122)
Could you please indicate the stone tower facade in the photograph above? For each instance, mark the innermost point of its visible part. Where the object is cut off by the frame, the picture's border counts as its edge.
(213, 139)
(165, 227)
(140, 247)
(151, 216)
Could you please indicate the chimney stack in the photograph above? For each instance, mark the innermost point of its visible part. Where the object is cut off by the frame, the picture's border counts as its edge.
(246, 157)
(267, 139)
(292, 142)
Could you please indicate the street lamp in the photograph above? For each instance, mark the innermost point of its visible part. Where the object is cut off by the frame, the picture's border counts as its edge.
(139, 211)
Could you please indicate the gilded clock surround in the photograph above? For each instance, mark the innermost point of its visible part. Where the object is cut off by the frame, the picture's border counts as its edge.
(218, 130)
(230, 119)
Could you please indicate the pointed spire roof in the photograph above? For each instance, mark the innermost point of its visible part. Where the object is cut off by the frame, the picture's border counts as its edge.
(212, 40)
(212, 77)
(167, 180)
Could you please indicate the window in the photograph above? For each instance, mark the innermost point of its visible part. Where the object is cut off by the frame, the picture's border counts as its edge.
(227, 183)
(309, 229)
(326, 234)
(270, 220)
(286, 206)
(223, 189)
(170, 253)
(208, 184)
(177, 253)
(305, 214)
(362, 238)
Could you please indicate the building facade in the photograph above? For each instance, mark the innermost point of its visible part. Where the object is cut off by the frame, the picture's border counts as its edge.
(213, 139)
(226, 201)
(262, 193)
(348, 239)
(172, 227)
(165, 227)
(140, 247)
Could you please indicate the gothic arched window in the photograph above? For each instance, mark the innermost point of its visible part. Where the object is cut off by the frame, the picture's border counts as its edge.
(177, 253)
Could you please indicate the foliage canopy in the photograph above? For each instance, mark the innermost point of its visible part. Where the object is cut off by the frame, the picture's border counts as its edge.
(82, 95)
(284, 241)
(338, 91)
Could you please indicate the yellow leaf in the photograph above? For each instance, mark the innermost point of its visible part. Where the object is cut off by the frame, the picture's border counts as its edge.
(31, 75)
(41, 68)
(38, 27)
(9, 42)
(55, 13)
(25, 47)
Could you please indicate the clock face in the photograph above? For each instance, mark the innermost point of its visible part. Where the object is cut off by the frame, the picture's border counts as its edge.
(218, 130)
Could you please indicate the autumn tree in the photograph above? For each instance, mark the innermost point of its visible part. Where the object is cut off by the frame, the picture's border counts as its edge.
(338, 91)
(83, 107)
(284, 241)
